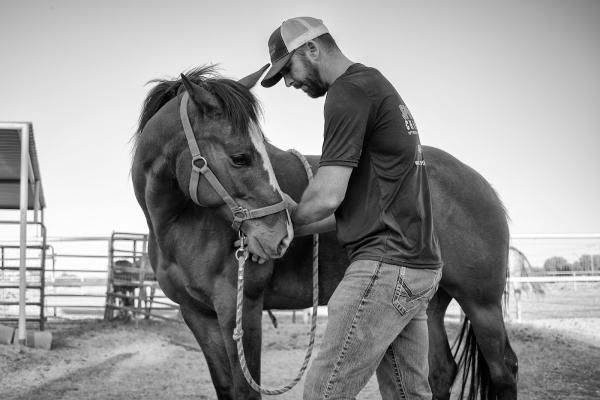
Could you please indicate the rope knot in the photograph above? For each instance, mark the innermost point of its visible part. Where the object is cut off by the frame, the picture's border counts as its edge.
(237, 334)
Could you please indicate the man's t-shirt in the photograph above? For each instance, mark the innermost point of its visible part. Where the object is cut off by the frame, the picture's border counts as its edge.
(386, 214)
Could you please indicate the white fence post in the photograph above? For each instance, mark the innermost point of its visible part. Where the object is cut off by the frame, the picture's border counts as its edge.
(23, 205)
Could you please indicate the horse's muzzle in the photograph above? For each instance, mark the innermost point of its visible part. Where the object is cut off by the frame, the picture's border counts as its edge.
(285, 242)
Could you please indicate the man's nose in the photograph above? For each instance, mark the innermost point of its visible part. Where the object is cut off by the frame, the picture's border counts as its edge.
(288, 80)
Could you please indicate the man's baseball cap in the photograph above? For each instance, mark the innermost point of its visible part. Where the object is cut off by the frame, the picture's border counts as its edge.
(292, 34)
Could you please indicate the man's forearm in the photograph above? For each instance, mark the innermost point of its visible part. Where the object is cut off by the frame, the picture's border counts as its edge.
(322, 226)
(312, 209)
(323, 195)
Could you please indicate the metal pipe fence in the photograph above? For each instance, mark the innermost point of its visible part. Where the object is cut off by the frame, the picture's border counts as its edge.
(79, 278)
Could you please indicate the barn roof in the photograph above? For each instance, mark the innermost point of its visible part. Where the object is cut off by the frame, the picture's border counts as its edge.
(10, 167)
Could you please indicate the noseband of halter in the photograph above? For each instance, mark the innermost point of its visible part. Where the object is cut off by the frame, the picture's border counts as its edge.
(240, 214)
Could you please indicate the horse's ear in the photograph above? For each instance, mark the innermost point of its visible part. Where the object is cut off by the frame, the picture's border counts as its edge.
(251, 79)
(202, 97)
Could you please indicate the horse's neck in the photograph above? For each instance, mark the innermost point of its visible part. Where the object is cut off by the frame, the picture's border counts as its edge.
(164, 202)
(290, 171)
(207, 238)
(172, 215)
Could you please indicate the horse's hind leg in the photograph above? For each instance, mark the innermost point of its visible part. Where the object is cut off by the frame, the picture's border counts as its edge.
(208, 333)
(488, 326)
(442, 368)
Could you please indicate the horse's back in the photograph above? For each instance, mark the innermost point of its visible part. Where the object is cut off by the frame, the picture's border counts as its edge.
(470, 222)
(471, 226)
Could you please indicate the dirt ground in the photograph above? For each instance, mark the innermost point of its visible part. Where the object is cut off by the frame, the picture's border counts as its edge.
(92, 359)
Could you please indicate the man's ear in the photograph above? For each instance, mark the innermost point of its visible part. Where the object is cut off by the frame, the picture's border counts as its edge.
(312, 50)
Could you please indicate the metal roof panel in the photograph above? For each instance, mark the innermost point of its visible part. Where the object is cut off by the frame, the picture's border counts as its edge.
(10, 167)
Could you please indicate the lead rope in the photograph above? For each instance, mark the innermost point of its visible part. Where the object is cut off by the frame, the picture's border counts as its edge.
(242, 255)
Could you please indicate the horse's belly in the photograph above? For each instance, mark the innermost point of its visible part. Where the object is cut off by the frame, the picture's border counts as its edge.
(291, 286)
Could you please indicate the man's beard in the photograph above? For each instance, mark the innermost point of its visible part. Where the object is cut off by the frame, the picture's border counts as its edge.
(313, 82)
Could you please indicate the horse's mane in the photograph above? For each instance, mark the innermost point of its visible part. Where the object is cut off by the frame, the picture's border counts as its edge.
(239, 106)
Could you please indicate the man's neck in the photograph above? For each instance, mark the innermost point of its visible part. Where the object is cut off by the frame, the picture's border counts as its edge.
(334, 67)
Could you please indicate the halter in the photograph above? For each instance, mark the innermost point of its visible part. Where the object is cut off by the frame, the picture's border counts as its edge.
(240, 214)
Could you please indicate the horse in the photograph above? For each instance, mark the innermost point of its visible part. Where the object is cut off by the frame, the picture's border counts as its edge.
(519, 266)
(191, 239)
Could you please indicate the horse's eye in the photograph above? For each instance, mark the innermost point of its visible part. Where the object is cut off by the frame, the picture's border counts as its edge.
(240, 160)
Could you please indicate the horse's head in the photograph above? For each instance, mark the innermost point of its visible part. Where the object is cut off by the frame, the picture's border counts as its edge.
(223, 163)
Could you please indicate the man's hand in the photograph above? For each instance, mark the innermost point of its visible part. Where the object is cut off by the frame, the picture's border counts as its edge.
(290, 204)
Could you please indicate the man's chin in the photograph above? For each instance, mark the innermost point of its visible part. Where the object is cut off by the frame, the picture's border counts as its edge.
(313, 91)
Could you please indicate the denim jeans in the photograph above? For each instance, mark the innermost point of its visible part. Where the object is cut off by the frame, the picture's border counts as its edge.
(377, 324)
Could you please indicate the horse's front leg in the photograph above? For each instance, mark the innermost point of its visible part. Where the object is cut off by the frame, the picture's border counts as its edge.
(225, 304)
(209, 335)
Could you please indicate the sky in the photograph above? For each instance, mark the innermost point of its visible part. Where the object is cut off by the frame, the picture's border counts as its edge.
(511, 88)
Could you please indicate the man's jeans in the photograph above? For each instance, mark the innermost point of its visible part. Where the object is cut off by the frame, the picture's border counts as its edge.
(377, 323)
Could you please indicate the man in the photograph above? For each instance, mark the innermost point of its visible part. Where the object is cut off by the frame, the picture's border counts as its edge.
(372, 177)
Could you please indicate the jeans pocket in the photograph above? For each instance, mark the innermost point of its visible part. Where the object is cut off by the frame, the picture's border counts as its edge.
(414, 286)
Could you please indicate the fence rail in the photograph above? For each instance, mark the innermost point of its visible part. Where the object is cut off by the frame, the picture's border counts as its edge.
(70, 284)
(552, 297)
(552, 279)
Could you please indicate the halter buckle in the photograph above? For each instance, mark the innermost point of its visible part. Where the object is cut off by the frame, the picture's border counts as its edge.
(203, 161)
(240, 213)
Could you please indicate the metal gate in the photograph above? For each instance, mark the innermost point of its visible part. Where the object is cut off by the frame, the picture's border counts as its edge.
(35, 266)
(130, 285)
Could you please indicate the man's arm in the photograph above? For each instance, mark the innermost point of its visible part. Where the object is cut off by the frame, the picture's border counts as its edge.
(323, 195)
(325, 225)
(314, 213)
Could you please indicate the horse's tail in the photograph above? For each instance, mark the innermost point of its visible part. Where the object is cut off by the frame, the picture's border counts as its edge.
(473, 371)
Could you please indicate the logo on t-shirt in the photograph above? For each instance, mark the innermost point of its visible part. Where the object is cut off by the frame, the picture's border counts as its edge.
(419, 162)
(409, 122)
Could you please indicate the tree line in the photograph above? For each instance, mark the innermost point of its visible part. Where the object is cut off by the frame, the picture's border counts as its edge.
(557, 263)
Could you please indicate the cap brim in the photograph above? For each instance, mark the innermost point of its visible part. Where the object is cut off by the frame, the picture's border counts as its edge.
(273, 76)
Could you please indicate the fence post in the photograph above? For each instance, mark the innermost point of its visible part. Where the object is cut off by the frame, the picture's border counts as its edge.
(518, 307)
(23, 207)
